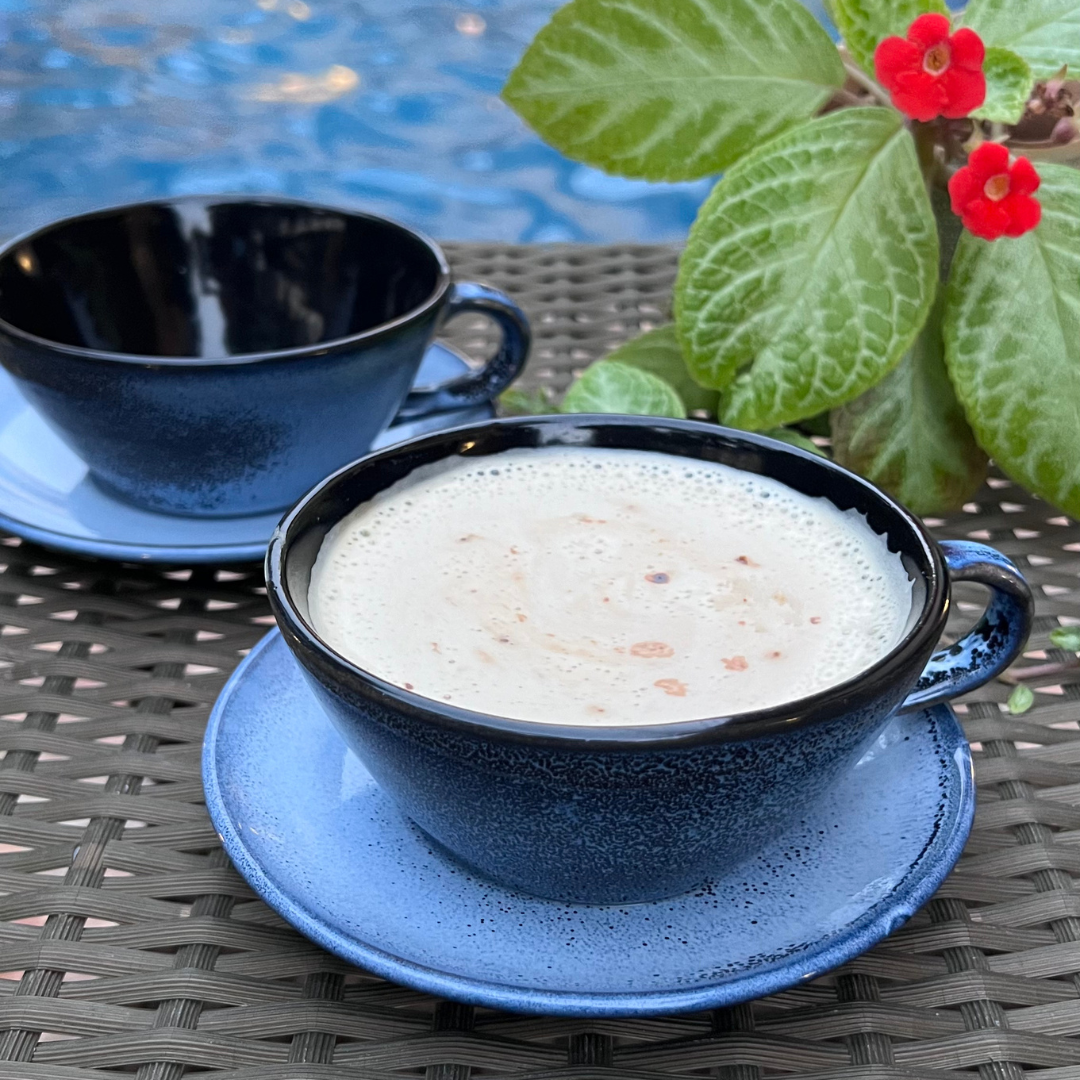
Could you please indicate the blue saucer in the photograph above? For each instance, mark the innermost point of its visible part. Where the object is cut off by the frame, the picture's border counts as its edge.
(47, 494)
(307, 826)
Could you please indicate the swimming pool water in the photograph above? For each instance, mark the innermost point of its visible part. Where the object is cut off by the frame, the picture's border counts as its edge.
(390, 105)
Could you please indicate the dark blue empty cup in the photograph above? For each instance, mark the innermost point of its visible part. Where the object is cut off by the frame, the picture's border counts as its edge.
(218, 356)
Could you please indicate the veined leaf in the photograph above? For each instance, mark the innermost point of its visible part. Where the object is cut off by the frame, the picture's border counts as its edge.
(1008, 86)
(794, 438)
(611, 387)
(810, 269)
(1020, 700)
(1012, 343)
(1046, 33)
(518, 402)
(659, 352)
(1067, 638)
(672, 89)
(864, 24)
(908, 433)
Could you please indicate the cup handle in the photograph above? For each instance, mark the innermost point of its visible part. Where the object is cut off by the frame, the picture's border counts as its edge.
(996, 640)
(485, 384)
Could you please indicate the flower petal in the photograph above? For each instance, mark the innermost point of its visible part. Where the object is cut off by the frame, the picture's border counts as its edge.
(1025, 180)
(987, 219)
(919, 94)
(988, 160)
(964, 187)
(968, 50)
(894, 57)
(1024, 212)
(917, 104)
(965, 91)
(929, 30)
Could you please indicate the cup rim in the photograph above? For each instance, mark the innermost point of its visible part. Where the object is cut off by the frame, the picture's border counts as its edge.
(319, 348)
(325, 662)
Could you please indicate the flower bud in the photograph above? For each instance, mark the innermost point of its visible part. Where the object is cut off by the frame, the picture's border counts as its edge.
(1065, 131)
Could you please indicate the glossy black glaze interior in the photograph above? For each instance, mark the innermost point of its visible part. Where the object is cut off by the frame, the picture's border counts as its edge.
(214, 278)
(295, 546)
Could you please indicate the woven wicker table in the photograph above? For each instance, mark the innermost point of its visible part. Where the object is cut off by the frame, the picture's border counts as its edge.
(131, 947)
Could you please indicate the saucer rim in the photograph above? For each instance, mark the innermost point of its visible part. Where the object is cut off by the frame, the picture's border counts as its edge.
(125, 551)
(845, 944)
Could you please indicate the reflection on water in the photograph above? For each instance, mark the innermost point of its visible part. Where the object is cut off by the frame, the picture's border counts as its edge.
(388, 104)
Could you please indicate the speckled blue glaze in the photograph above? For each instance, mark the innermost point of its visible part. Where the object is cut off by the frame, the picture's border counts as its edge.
(217, 356)
(1000, 632)
(48, 495)
(315, 835)
(601, 815)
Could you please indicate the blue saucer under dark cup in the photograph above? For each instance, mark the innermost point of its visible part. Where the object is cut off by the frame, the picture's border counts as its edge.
(219, 356)
(324, 845)
(48, 495)
(618, 815)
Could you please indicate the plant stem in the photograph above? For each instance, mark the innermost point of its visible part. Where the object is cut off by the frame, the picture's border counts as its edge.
(1017, 675)
(871, 86)
(925, 136)
(846, 97)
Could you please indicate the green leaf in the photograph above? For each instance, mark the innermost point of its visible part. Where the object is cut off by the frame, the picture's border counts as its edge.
(794, 438)
(1066, 637)
(810, 269)
(864, 24)
(1020, 700)
(519, 402)
(611, 387)
(1046, 33)
(1012, 343)
(658, 351)
(672, 89)
(1008, 86)
(908, 433)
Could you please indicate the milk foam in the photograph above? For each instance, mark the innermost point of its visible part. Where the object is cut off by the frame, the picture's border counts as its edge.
(606, 587)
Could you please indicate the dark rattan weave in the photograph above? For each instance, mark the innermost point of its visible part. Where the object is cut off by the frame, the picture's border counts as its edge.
(131, 946)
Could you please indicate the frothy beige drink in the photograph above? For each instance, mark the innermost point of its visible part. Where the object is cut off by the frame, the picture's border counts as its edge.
(606, 587)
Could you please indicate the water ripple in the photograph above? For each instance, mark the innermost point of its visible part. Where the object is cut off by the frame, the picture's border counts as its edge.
(391, 105)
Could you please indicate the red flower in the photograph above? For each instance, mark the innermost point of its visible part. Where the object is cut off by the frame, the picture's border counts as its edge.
(993, 195)
(931, 73)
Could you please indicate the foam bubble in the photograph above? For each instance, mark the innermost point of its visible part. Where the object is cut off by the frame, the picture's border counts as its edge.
(570, 585)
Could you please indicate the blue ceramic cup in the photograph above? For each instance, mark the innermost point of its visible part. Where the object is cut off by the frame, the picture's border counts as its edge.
(615, 815)
(218, 356)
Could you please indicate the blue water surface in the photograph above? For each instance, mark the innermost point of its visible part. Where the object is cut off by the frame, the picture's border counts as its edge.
(390, 105)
